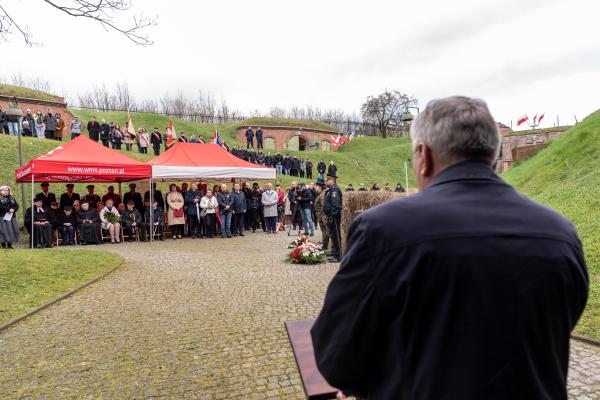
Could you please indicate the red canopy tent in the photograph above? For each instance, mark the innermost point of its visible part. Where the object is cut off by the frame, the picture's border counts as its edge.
(207, 161)
(83, 160)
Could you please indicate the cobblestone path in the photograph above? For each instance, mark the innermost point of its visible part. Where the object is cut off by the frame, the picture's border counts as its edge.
(186, 319)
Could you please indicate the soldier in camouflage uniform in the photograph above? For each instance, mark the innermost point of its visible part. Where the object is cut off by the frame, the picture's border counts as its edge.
(321, 218)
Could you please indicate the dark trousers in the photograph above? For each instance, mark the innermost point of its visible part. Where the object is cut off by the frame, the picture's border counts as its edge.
(211, 221)
(177, 230)
(309, 174)
(49, 134)
(237, 227)
(333, 227)
(259, 143)
(67, 233)
(271, 224)
(42, 235)
(249, 143)
(128, 146)
(105, 142)
(156, 148)
(193, 226)
(129, 230)
(253, 219)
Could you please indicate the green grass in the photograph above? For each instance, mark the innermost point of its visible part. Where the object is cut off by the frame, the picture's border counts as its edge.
(12, 90)
(287, 122)
(537, 131)
(30, 278)
(566, 177)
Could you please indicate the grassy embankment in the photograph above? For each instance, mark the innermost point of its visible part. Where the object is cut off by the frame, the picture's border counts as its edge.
(30, 278)
(566, 177)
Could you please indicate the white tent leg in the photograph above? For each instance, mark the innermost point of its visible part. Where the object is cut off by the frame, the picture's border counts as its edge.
(32, 213)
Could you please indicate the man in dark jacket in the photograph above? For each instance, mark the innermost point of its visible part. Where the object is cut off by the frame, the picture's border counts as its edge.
(239, 210)
(466, 290)
(47, 196)
(91, 198)
(305, 199)
(104, 133)
(132, 221)
(50, 121)
(225, 201)
(279, 163)
(321, 168)
(157, 196)
(309, 169)
(93, 128)
(156, 140)
(249, 138)
(259, 138)
(192, 202)
(332, 208)
(134, 196)
(67, 199)
(287, 165)
(295, 166)
(68, 222)
(42, 226)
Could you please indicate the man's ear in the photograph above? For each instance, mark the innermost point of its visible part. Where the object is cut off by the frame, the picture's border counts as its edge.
(426, 164)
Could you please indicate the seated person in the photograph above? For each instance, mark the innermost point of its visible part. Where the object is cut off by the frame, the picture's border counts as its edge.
(42, 227)
(53, 214)
(89, 221)
(158, 221)
(132, 221)
(68, 222)
(111, 221)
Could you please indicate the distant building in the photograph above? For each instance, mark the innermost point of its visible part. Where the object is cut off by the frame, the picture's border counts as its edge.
(293, 138)
(503, 129)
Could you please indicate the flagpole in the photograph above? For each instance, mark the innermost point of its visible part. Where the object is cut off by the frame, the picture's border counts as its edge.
(406, 175)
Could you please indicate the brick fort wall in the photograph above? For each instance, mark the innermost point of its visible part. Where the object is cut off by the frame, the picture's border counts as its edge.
(58, 106)
(284, 138)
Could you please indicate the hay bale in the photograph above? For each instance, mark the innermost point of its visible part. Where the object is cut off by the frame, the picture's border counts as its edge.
(356, 202)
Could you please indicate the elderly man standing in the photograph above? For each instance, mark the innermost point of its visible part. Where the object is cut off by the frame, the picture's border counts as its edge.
(269, 202)
(239, 210)
(466, 290)
(225, 201)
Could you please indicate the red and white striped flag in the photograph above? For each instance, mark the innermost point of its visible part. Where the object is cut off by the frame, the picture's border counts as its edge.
(540, 118)
(171, 134)
(522, 119)
(336, 140)
(351, 137)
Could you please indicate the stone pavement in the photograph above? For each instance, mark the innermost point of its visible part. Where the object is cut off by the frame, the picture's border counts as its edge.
(197, 319)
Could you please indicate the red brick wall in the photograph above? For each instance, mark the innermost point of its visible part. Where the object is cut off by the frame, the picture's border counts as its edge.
(42, 106)
(283, 134)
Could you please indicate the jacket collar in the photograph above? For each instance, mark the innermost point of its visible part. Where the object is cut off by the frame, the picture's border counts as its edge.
(465, 170)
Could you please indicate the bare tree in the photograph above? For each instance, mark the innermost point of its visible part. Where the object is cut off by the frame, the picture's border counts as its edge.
(103, 12)
(386, 109)
(123, 98)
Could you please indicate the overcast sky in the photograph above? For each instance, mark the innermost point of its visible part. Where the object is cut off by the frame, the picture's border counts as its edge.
(520, 56)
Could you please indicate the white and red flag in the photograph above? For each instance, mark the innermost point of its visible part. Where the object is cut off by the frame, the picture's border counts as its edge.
(129, 129)
(171, 134)
(350, 137)
(336, 140)
(522, 119)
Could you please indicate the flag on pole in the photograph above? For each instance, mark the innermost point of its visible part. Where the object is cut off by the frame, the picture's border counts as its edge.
(336, 140)
(351, 137)
(534, 118)
(171, 134)
(522, 119)
(129, 129)
(216, 139)
(540, 118)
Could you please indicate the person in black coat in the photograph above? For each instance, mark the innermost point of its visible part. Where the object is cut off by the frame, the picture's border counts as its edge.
(93, 128)
(239, 210)
(134, 196)
(192, 199)
(156, 141)
(332, 169)
(42, 227)
(255, 205)
(158, 196)
(249, 138)
(47, 197)
(104, 133)
(91, 198)
(259, 138)
(466, 290)
(295, 166)
(287, 165)
(321, 169)
(89, 224)
(132, 221)
(67, 199)
(309, 169)
(157, 223)
(68, 222)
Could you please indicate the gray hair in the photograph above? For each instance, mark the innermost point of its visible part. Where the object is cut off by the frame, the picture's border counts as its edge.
(457, 129)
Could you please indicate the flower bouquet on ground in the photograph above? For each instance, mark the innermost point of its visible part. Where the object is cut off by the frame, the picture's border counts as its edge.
(305, 252)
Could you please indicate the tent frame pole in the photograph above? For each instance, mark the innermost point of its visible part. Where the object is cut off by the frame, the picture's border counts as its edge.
(32, 205)
(151, 205)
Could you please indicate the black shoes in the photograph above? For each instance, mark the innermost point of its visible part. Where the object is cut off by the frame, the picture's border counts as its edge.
(334, 259)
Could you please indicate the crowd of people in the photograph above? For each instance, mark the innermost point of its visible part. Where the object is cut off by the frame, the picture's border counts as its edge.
(194, 211)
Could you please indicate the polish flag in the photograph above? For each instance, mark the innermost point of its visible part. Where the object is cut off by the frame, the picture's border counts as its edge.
(336, 140)
(522, 119)
(171, 134)
(350, 137)
(540, 118)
